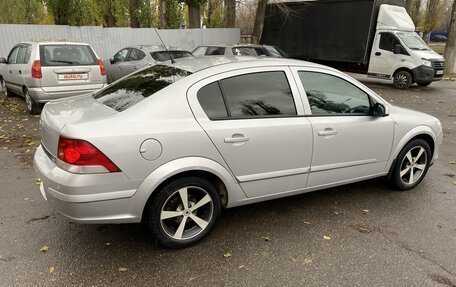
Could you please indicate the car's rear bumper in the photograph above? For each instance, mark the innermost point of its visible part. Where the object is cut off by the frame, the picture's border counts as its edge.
(41, 96)
(86, 198)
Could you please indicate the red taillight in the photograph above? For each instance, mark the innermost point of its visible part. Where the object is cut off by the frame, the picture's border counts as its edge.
(36, 70)
(102, 67)
(83, 153)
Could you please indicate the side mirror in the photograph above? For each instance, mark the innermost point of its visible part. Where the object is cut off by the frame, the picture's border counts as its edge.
(111, 60)
(379, 110)
(3, 61)
(397, 49)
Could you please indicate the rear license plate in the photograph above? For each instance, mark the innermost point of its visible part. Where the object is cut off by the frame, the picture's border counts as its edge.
(65, 77)
(439, 72)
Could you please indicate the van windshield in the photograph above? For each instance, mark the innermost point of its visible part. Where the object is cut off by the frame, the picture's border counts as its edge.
(67, 55)
(413, 41)
(136, 87)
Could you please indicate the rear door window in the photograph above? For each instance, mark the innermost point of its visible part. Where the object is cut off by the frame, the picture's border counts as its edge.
(21, 55)
(138, 86)
(164, 56)
(136, 55)
(211, 100)
(67, 55)
(258, 94)
(120, 56)
(211, 51)
(200, 51)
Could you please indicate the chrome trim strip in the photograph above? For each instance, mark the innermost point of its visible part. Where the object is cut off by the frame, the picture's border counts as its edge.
(341, 165)
(272, 174)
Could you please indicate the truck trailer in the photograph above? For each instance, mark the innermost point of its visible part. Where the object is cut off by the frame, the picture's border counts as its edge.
(374, 37)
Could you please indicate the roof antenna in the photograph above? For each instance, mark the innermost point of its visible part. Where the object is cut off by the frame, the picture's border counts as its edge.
(166, 48)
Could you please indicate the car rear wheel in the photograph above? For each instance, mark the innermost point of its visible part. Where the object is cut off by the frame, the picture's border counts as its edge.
(183, 212)
(402, 80)
(411, 165)
(32, 107)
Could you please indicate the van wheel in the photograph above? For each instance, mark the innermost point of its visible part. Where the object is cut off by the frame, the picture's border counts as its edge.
(32, 107)
(183, 212)
(412, 164)
(424, 84)
(402, 80)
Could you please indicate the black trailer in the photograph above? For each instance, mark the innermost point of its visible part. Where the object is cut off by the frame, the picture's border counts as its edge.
(334, 32)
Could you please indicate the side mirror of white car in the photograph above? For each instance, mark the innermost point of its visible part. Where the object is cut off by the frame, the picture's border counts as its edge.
(379, 110)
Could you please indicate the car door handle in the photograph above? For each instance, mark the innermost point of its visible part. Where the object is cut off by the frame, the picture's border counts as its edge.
(20, 72)
(327, 132)
(236, 138)
(378, 54)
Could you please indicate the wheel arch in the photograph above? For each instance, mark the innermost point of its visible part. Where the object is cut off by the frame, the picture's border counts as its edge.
(225, 183)
(421, 132)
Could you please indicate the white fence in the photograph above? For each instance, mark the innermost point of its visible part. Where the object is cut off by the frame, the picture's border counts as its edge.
(107, 41)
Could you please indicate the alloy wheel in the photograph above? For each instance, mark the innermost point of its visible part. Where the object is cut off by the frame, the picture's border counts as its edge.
(413, 165)
(28, 101)
(401, 80)
(186, 213)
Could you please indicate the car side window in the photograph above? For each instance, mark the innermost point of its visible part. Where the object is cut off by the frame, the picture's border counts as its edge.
(331, 95)
(258, 94)
(136, 55)
(200, 51)
(21, 55)
(388, 41)
(13, 55)
(211, 51)
(120, 56)
(211, 100)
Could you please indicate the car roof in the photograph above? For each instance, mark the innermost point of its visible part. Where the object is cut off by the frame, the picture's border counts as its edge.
(157, 48)
(54, 43)
(236, 45)
(232, 62)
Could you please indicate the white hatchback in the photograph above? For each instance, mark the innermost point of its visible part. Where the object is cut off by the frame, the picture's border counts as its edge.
(172, 144)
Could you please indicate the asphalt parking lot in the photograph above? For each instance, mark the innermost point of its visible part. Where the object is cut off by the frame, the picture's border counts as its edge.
(363, 234)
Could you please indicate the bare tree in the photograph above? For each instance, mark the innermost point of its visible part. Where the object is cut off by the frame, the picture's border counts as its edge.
(134, 21)
(450, 49)
(413, 9)
(230, 13)
(432, 17)
(259, 21)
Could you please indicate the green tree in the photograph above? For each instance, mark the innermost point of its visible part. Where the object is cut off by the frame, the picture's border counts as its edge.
(172, 14)
(23, 12)
(194, 12)
(214, 14)
(74, 12)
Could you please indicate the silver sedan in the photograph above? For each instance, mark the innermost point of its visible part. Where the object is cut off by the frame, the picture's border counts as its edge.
(173, 144)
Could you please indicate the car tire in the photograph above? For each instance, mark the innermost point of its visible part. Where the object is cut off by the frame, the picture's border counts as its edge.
(402, 80)
(411, 165)
(175, 226)
(5, 90)
(424, 84)
(32, 107)
(3, 86)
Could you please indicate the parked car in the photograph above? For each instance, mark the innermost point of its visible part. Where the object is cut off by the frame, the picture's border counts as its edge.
(439, 38)
(173, 144)
(131, 59)
(44, 71)
(240, 50)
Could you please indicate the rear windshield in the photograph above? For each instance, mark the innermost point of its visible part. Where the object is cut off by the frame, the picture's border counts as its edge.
(138, 86)
(67, 55)
(269, 51)
(164, 56)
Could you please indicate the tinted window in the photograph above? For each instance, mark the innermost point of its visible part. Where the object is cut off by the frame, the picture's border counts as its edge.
(211, 100)
(258, 94)
(388, 41)
(138, 86)
(247, 51)
(21, 55)
(215, 51)
(328, 94)
(67, 55)
(164, 56)
(120, 56)
(13, 55)
(136, 55)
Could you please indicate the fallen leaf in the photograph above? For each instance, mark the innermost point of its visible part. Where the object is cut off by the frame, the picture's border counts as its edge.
(37, 181)
(326, 237)
(44, 249)
(366, 210)
(26, 198)
(242, 266)
(336, 213)
(227, 254)
(307, 222)
(108, 243)
(454, 182)
(452, 162)
(266, 238)
(450, 174)
(123, 269)
(51, 270)
(307, 260)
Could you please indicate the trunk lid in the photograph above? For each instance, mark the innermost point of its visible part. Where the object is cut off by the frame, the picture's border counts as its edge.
(57, 114)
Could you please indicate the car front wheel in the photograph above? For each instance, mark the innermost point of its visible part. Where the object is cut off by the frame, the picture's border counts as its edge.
(402, 80)
(183, 212)
(411, 165)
